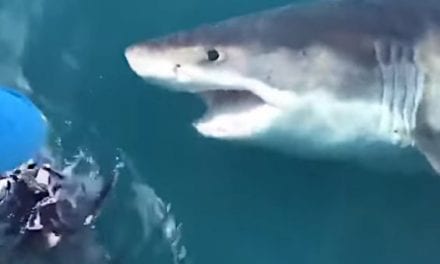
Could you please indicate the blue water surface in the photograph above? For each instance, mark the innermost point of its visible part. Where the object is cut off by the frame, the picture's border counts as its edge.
(239, 204)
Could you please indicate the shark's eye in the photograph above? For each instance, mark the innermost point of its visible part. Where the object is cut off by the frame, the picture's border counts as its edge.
(213, 55)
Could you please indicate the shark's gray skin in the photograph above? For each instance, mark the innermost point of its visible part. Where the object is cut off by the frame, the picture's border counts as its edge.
(326, 76)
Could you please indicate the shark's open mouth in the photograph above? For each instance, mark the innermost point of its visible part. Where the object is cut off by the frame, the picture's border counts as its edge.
(229, 100)
(234, 114)
(234, 110)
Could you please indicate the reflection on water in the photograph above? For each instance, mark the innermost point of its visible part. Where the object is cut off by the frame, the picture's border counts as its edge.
(17, 18)
(159, 226)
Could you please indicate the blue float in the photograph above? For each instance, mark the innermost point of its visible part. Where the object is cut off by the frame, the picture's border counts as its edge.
(23, 129)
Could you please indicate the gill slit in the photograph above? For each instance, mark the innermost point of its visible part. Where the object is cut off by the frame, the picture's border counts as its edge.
(402, 85)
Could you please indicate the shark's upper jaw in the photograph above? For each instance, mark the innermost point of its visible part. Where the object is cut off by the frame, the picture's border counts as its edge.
(232, 113)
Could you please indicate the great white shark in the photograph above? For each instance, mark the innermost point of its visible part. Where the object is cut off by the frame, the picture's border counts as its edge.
(327, 76)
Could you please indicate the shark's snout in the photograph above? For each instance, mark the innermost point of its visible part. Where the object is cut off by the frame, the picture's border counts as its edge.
(137, 59)
(131, 55)
(148, 63)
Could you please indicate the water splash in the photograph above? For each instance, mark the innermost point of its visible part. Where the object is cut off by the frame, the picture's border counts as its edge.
(83, 245)
(158, 223)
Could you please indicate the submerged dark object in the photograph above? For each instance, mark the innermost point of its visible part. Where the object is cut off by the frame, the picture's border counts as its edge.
(40, 207)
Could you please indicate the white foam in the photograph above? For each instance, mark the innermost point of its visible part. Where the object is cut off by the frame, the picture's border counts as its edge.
(53, 239)
(43, 177)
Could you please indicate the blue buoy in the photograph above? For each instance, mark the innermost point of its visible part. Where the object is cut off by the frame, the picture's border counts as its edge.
(23, 129)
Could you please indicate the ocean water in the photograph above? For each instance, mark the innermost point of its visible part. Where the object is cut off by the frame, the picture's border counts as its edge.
(230, 203)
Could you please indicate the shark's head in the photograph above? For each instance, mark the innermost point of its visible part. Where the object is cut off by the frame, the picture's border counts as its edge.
(227, 65)
(284, 71)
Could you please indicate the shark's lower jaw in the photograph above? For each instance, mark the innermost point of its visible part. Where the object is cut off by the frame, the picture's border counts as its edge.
(234, 114)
